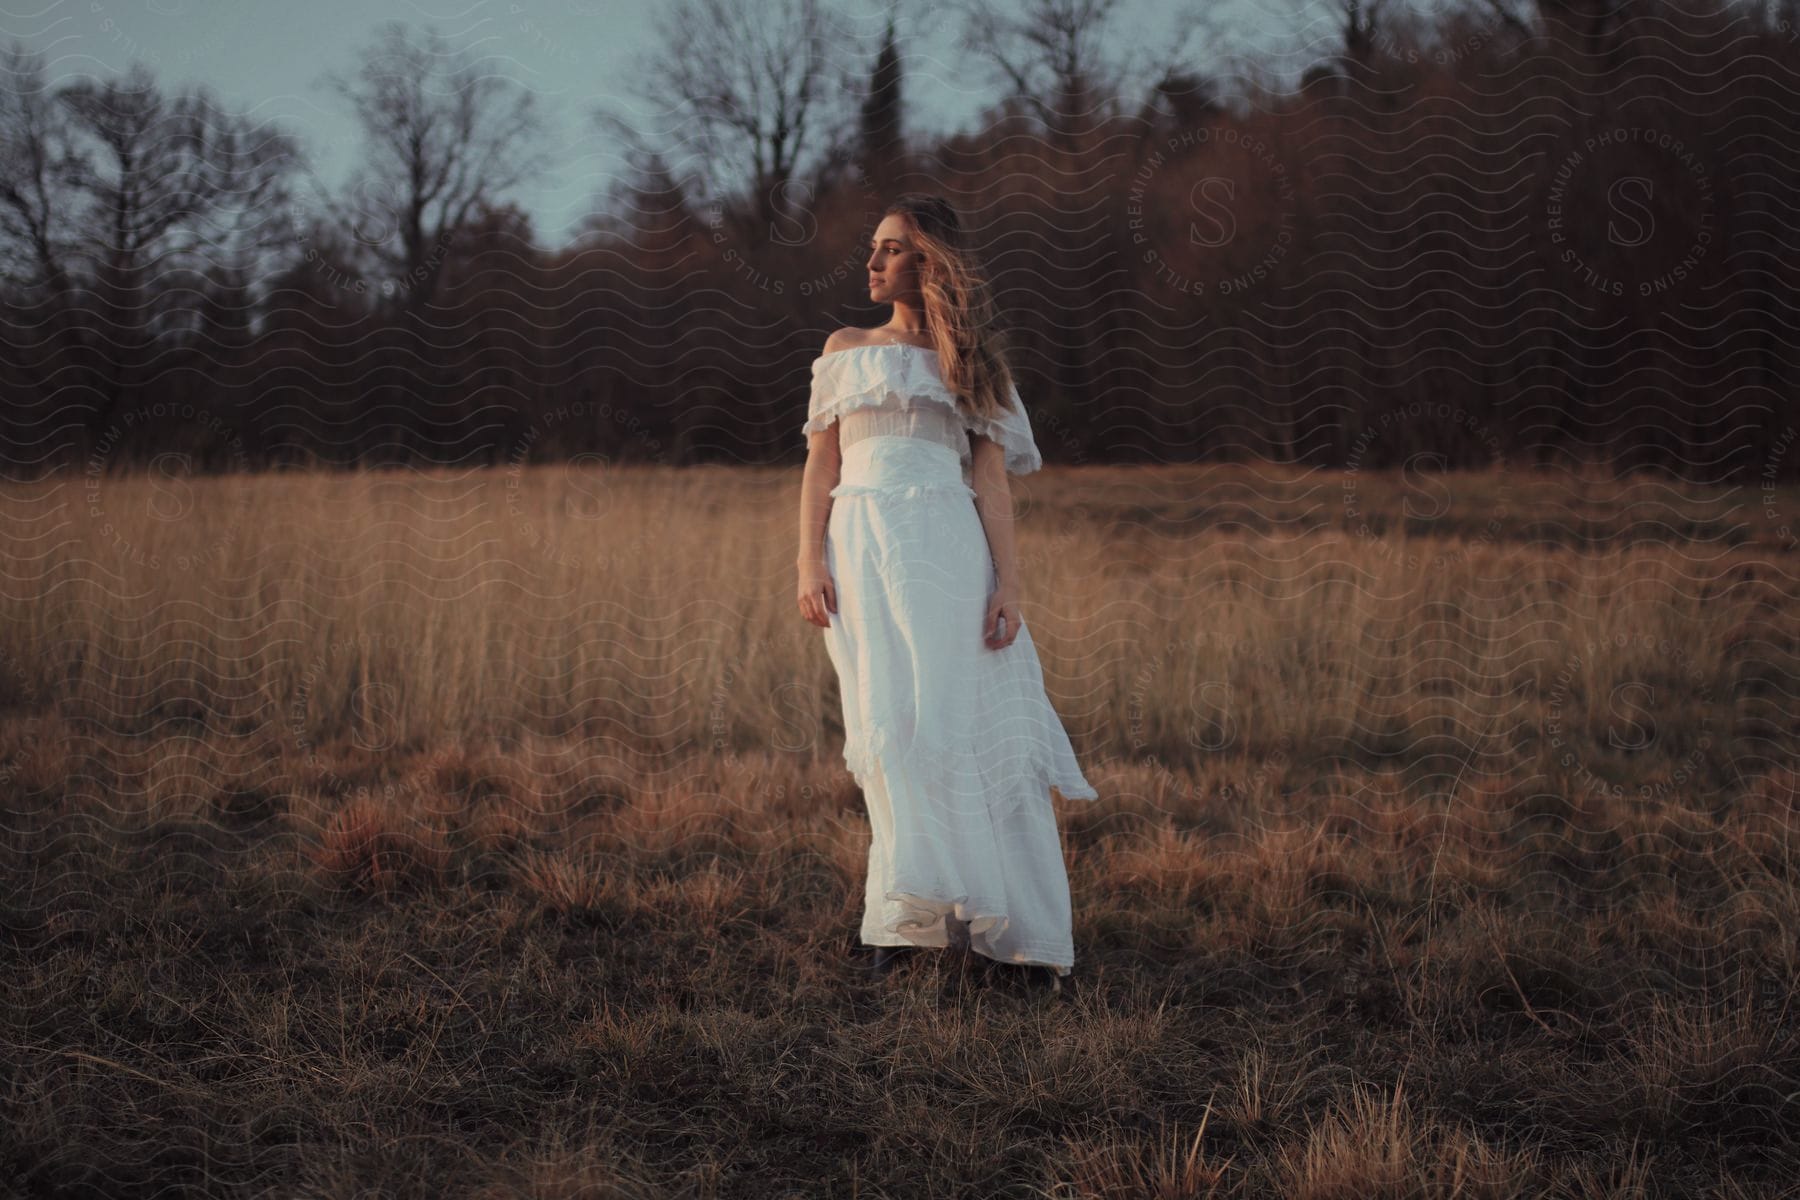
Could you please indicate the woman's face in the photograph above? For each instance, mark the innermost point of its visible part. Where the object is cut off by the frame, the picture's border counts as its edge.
(893, 263)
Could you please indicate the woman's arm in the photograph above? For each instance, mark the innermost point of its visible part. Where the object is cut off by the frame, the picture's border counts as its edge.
(823, 466)
(817, 591)
(993, 500)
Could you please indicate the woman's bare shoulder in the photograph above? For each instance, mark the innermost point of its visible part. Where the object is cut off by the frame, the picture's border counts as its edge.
(847, 338)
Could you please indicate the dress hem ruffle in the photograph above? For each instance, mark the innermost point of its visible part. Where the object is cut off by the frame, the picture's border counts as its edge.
(925, 924)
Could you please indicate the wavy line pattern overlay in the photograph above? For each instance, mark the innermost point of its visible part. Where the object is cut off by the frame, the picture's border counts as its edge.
(417, 781)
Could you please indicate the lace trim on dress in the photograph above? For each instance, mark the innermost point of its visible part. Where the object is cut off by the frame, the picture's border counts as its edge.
(870, 399)
(846, 380)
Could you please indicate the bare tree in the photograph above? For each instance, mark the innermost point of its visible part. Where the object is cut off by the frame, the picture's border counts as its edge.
(1361, 25)
(1181, 99)
(880, 119)
(445, 135)
(39, 171)
(746, 82)
(1513, 18)
(136, 188)
(1053, 56)
(1595, 29)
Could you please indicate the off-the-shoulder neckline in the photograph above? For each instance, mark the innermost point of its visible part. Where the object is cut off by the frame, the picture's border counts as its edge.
(876, 346)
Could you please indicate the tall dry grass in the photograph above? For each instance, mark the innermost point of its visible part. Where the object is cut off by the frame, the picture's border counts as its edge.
(485, 832)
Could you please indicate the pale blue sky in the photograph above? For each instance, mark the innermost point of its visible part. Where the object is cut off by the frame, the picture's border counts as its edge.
(265, 57)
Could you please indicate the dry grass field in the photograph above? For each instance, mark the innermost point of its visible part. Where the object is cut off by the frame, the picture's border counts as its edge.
(486, 833)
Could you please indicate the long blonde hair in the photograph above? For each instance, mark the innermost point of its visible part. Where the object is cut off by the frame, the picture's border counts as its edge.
(959, 306)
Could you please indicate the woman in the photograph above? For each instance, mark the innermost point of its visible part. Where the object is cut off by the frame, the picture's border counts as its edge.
(907, 561)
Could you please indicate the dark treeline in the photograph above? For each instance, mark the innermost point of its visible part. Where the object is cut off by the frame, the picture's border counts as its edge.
(1562, 234)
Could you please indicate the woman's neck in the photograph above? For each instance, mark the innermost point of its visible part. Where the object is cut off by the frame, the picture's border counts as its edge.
(907, 321)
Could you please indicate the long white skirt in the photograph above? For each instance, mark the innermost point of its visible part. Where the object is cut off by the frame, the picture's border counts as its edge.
(955, 745)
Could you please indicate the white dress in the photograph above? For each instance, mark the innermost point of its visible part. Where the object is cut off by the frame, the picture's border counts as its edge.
(954, 744)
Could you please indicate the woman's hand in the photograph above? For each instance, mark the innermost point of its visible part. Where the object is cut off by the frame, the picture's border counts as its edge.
(818, 594)
(1003, 603)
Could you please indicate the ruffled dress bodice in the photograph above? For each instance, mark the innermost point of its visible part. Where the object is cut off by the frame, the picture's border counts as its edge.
(894, 390)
